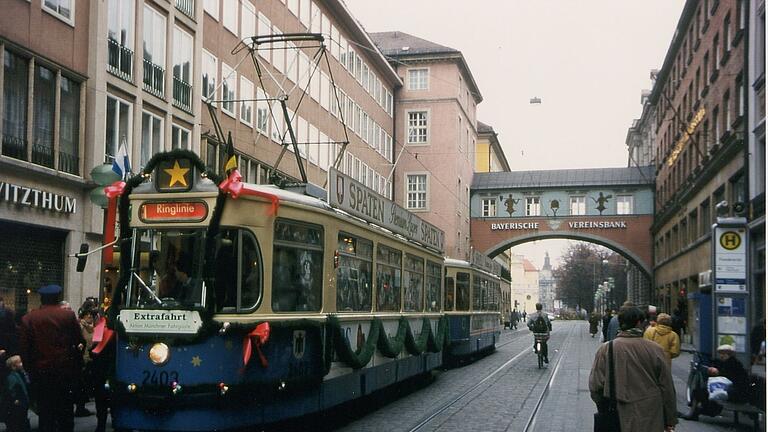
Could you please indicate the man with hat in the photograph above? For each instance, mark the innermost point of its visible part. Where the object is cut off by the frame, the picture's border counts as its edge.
(50, 343)
(725, 365)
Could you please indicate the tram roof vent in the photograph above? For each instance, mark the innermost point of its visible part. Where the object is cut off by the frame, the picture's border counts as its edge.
(309, 189)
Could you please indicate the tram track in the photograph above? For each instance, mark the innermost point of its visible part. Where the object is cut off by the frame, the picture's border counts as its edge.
(468, 393)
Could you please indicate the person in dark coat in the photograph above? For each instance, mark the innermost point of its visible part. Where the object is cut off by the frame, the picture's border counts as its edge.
(17, 394)
(606, 321)
(50, 343)
(725, 365)
(514, 318)
(594, 322)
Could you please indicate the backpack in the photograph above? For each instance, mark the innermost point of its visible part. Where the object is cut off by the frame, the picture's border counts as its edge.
(539, 325)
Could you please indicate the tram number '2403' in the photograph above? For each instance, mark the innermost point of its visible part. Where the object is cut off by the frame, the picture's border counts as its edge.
(163, 378)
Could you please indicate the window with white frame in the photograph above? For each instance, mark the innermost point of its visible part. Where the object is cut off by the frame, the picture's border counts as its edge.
(489, 207)
(151, 136)
(180, 138)
(262, 111)
(315, 18)
(248, 25)
(277, 124)
(64, 9)
(246, 106)
(418, 79)
(416, 194)
(302, 132)
(578, 206)
(118, 127)
(625, 204)
(417, 127)
(364, 126)
(278, 51)
(120, 24)
(210, 75)
(532, 206)
(230, 11)
(228, 85)
(293, 6)
(359, 68)
(154, 51)
(264, 28)
(325, 85)
(312, 148)
(364, 173)
(324, 148)
(304, 12)
(292, 62)
(211, 7)
(182, 68)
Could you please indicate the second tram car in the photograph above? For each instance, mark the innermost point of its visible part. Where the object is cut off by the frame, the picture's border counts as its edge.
(472, 305)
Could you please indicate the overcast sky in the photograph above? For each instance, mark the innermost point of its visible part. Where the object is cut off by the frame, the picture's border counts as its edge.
(587, 60)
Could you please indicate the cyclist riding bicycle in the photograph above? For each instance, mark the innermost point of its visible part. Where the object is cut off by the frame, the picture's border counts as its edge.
(538, 323)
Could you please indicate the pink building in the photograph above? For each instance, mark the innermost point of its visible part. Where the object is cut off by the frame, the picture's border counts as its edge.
(435, 133)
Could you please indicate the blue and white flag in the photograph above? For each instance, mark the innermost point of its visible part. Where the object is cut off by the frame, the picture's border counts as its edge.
(122, 165)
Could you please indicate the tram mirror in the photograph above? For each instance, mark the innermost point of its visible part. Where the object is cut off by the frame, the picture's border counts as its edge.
(82, 257)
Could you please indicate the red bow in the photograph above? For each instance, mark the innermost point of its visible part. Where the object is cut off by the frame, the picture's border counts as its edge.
(234, 186)
(115, 189)
(106, 335)
(260, 336)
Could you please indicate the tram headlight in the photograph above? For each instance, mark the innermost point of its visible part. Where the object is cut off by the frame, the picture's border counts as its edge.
(159, 354)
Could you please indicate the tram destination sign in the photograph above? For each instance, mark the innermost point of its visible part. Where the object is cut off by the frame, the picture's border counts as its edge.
(346, 193)
(173, 211)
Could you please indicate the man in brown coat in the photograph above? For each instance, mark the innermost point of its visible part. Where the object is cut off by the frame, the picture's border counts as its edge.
(50, 342)
(643, 380)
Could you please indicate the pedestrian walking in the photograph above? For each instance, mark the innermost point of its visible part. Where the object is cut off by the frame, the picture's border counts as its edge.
(16, 396)
(678, 322)
(50, 343)
(524, 315)
(644, 391)
(606, 321)
(514, 319)
(663, 335)
(594, 322)
(613, 324)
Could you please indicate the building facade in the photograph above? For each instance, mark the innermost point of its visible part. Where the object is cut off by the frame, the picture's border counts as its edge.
(338, 89)
(524, 278)
(435, 134)
(755, 132)
(489, 156)
(44, 210)
(699, 150)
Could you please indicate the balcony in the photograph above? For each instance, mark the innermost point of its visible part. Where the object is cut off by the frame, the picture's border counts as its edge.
(69, 163)
(120, 60)
(187, 7)
(182, 94)
(14, 147)
(154, 78)
(42, 154)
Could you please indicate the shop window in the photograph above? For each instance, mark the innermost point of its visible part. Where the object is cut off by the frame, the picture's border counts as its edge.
(297, 267)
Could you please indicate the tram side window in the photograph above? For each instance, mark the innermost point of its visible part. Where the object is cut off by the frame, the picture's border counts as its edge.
(388, 265)
(297, 270)
(477, 298)
(238, 276)
(353, 274)
(449, 295)
(413, 284)
(496, 296)
(433, 287)
(462, 291)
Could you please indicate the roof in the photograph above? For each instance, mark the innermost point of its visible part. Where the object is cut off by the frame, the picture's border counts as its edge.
(528, 266)
(602, 177)
(400, 47)
(394, 43)
(484, 128)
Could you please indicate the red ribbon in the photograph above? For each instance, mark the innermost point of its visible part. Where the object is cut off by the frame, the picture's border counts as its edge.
(115, 189)
(107, 335)
(234, 186)
(259, 336)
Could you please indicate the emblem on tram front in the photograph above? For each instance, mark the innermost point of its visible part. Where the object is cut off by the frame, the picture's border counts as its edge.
(299, 341)
(340, 189)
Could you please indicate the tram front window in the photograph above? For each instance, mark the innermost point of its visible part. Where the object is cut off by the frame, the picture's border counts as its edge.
(167, 269)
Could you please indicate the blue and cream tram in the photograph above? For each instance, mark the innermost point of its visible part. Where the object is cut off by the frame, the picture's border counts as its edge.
(472, 305)
(241, 305)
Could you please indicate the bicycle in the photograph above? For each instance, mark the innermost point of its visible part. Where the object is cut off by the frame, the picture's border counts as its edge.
(540, 341)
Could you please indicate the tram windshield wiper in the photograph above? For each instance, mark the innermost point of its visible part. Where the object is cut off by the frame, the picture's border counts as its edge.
(147, 289)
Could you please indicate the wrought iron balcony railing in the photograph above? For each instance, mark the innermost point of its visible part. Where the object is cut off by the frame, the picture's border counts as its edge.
(42, 155)
(182, 94)
(120, 60)
(154, 78)
(69, 163)
(14, 147)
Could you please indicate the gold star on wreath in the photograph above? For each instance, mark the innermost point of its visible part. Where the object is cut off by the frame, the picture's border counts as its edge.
(177, 173)
(196, 361)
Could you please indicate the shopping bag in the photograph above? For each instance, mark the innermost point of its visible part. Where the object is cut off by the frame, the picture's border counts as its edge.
(718, 388)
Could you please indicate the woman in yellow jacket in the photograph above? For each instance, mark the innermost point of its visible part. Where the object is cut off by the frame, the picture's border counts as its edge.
(663, 335)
